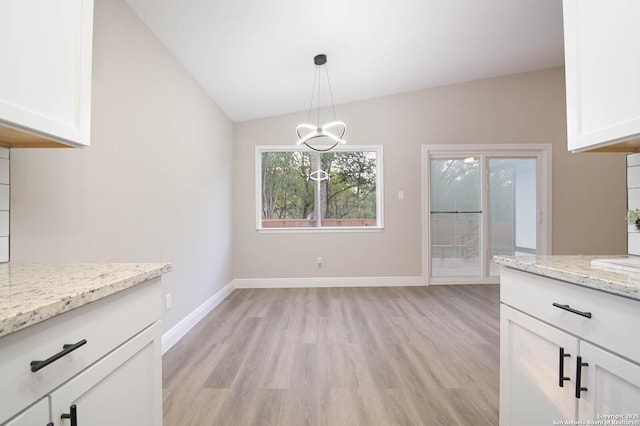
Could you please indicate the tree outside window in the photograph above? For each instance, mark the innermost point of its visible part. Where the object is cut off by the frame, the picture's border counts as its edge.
(306, 189)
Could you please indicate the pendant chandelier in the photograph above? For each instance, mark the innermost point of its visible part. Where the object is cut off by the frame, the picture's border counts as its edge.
(321, 138)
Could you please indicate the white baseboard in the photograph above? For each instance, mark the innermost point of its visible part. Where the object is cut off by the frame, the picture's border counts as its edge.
(329, 282)
(179, 330)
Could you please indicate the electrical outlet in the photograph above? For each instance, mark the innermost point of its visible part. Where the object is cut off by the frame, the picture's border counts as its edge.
(168, 302)
(319, 262)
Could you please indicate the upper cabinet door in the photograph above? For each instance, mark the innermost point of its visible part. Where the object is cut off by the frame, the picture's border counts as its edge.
(45, 72)
(602, 66)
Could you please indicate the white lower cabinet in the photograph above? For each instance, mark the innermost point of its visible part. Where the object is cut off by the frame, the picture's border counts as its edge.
(530, 391)
(612, 383)
(109, 369)
(122, 389)
(557, 360)
(38, 414)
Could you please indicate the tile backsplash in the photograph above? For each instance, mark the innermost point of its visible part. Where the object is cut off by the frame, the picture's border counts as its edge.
(633, 200)
(4, 204)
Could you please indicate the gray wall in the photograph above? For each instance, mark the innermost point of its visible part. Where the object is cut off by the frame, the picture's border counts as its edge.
(588, 189)
(155, 185)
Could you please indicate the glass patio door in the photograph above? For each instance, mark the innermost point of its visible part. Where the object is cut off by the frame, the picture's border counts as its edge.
(456, 217)
(482, 204)
(513, 208)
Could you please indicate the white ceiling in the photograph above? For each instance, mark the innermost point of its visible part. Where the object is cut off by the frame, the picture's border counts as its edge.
(255, 57)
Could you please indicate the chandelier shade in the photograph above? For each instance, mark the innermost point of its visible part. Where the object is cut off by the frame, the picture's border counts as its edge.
(321, 138)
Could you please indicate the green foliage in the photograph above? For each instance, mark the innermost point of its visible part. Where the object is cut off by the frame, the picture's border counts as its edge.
(289, 193)
(286, 191)
(633, 218)
(351, 189)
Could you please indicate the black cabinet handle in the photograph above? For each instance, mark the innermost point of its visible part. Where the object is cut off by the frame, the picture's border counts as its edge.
(73, 415)
(579, 366)
(66, 349)
(573, 311)
(561, 376)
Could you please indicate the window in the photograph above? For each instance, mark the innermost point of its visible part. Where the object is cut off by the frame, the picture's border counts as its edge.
(298, 189)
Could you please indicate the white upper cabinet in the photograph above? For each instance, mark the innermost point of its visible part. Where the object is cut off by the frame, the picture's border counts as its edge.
(602, 65)
(45, 72)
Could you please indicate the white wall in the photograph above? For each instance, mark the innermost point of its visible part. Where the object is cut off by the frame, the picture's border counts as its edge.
(155, 185)
(588, 189)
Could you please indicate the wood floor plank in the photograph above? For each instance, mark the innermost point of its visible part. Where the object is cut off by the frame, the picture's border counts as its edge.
(339, 356)
(225, 372)
(300, 407)
(278, 364)
(267, 407)
(305, 369)
(310, 334)
(204, 409)
(399, 408)
(360, 376)
(184, 387)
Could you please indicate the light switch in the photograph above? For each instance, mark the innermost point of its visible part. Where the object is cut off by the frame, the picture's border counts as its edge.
(401, 195)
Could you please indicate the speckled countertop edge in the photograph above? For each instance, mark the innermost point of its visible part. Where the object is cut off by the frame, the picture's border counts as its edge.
(32, 293)
(578, 270)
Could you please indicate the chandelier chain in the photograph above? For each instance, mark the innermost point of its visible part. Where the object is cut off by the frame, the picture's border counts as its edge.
(313, 92)
(326, 69)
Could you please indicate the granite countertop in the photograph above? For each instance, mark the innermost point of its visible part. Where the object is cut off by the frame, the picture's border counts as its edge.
(578, 270)
(31, 293)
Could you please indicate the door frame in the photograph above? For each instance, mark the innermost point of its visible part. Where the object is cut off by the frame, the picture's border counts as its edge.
(542, 153)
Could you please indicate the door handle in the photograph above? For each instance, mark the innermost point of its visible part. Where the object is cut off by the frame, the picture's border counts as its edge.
(72, 415)
(66, 349)
(561, 376)
(572, 310)
(579, 387)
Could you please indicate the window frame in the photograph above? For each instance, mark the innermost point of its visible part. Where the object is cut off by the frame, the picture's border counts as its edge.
(259, 149)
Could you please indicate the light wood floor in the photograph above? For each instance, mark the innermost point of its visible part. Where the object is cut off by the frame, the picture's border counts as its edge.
(340, 356)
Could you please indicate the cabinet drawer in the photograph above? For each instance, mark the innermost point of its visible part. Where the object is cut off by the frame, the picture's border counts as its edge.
(614, 321)
(105, 324)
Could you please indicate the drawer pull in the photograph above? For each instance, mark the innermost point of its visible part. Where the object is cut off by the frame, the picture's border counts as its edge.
(561, 376)
(579, 387)
(573, 311)
(72, 415)
(66, 349)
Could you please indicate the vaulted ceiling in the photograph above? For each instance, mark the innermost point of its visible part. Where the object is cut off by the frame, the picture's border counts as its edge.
(255, 57)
